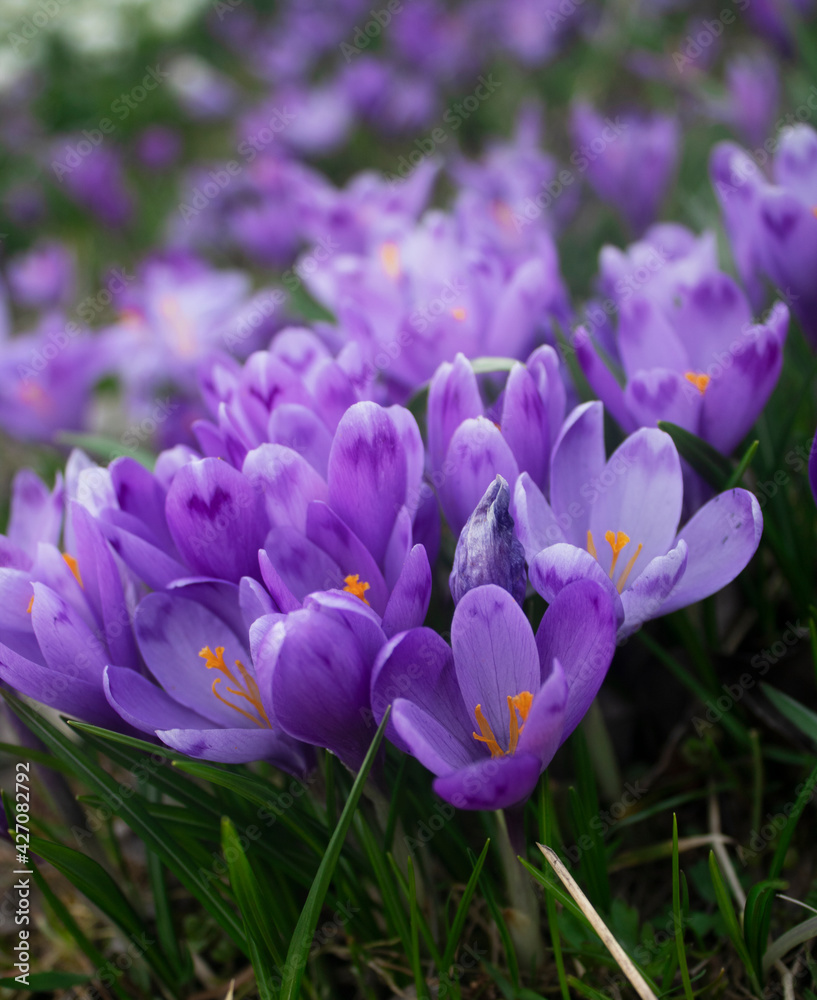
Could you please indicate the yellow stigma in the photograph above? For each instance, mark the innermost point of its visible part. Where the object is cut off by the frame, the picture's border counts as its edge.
(184, 335)
(30, 605)
(245, 688)
(617, 540)
(390, 259)
(459, 313)
(356, 586)
(34, 395)
(73, 565)
(698, 379)
(518, 708)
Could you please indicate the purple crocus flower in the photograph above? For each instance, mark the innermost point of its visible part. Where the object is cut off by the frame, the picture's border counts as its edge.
(43, 277)
(95, 180)
(488, 550)
(47, 379)
(687, 347)
(314, 668)
(467, 449)
(616, 522)
(752, 95)
(772, 226)
(629, 160)
(65, 616)
(203, 698)
(487, 714)
(158, 147)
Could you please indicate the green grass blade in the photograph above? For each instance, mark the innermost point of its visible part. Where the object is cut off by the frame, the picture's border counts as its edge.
(262, 938)
(545, 829)
(304, 931)
(462, 912)
(730, 919)
(703, 458)
(743, 465)
(800, 716)
(416, 964)
(755, 923)
(677, 913)
(154, 836)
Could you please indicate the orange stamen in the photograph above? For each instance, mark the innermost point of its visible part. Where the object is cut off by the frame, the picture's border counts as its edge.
(616, 540)
(628, 568)
(30, 605)
(591, 545)
(356, 586)
(246, 688)
(73, 565)
(487, 736)
(459, 313)
(698, 379)
(390, 259)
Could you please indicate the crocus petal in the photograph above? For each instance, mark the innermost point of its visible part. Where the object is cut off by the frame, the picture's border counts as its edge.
(216, 519)
(601, 379)
(103, 588)
(453, 398)
(579, 631)
(418, 667)
(145, 705)
(661, 394)
(577, 462)
(139, 493)
(408, 604)
(320, 686)
(646, 340)
(298, 428)
(708, 318)
(368, 475)
(283, 597)
(559, 565)
(254, 601)
(329, 532)
(478, 453)
(733, 400)
(287, 481)
(491, 784)
(525, 425)
(171, 633)
(237, 746)
(536, 524)
(721, 538)
(430, 740)
(643, 501)
(67, 644)
(543, 732)
(398, 547)
(494, 654)
(301, 565)
(149, 563)
(647, 596)
(412, 442)
(63, 689)
(36, 511)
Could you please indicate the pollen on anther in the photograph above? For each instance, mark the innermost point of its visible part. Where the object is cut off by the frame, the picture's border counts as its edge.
(356, 586)
(390, 259)
(698, 379)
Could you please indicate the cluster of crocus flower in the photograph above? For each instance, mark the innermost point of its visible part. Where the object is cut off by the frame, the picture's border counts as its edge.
(267, 593)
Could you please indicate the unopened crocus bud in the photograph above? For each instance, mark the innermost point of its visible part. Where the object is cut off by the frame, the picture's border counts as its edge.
(488, 550)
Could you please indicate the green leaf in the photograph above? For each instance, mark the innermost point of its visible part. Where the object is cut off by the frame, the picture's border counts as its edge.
(154, 836)
(299, 947)
(730, 919)
(677, 913)
(262, 935)
(742, 466)
(106, 448)
(462, 912)
(800, 716)
(703, 458)
(488, 365)
(416, 964)
(757, 918)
